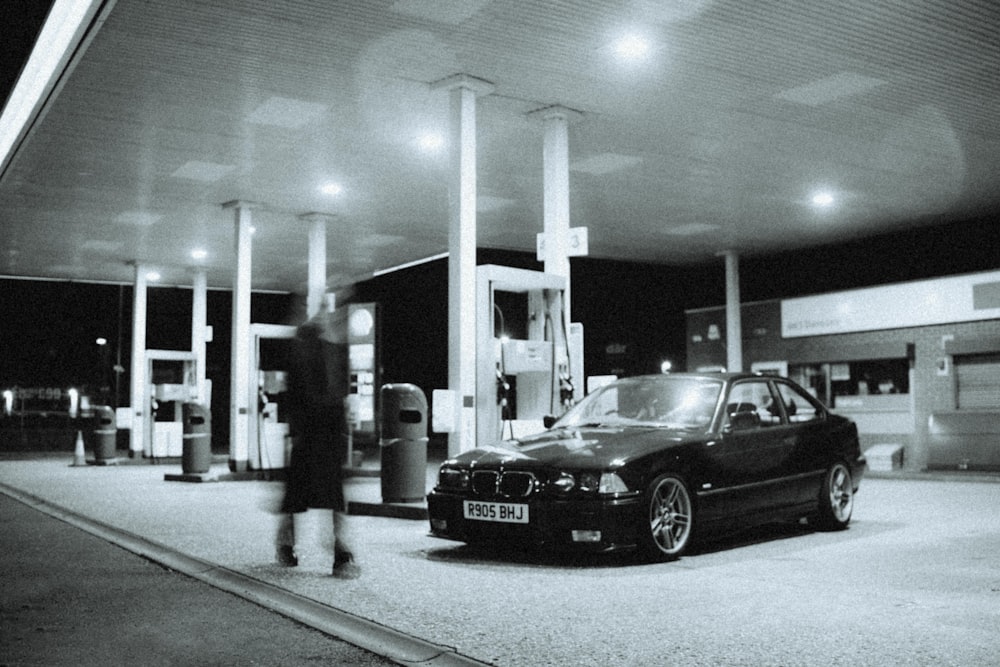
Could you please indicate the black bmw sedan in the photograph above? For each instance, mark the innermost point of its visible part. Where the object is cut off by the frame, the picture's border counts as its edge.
(651, 462)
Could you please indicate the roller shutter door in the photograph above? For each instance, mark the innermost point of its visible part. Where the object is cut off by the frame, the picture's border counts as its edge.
(978, 378)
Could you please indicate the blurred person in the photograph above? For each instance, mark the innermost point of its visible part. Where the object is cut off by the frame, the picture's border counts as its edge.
(317, 393)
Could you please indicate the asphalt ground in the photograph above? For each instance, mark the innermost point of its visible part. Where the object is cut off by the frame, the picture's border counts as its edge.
(914, 581)
(72, 598)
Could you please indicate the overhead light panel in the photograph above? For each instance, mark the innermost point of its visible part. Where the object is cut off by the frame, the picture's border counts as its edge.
(206, 172)
(138, 218)
(692, 229)
(828, 89)
(605, 163)
(286, 112)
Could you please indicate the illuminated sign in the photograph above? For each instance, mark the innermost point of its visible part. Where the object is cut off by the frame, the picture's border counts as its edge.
(966, 298)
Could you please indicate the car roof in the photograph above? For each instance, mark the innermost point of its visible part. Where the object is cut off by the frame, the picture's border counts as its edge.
(708, 375)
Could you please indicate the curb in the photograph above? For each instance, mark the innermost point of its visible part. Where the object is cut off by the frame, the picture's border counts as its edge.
(370, 635)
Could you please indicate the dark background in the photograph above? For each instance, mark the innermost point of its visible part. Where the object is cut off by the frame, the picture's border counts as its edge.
(48, 329)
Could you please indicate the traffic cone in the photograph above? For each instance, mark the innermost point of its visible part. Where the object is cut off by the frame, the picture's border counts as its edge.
(79, 455)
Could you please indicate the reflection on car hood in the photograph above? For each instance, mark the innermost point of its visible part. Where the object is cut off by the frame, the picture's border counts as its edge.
(577, 447)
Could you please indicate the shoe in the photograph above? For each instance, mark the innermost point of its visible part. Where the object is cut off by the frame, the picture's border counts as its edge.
(286, 556)
(344, 567)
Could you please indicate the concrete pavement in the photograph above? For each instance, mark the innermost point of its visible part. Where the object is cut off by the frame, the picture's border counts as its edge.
(915, 580)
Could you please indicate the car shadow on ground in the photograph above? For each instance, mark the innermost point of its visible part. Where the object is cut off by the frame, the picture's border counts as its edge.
(518, 555)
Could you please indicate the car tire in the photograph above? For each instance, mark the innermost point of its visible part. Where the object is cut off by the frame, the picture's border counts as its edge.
(836, 498)
(666, 519)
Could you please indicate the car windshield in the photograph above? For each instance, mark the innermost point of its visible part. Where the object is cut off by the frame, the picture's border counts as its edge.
(662, 401)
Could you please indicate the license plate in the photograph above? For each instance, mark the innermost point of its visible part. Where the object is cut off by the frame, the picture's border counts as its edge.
(499, 512)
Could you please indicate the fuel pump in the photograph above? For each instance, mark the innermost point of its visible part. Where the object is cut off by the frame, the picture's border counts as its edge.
(172, 382)
(268, 441)
(526, 355)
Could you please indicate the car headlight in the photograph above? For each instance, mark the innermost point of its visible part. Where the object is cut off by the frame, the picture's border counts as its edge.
(611, 483)
(453, 478)
(587, 482)
(563, 482)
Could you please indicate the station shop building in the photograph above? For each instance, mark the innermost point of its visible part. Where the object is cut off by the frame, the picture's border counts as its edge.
(915, 364)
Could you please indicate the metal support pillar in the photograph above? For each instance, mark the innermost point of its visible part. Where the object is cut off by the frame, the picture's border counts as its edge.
(555, 210)
(199, 334)
(463, 90)
(316, 289)
(239, 386)
(137, 435)
(734, 327)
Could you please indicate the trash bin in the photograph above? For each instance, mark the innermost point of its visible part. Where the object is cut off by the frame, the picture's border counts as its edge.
(196, 454)
(105, 434)
(403, 443)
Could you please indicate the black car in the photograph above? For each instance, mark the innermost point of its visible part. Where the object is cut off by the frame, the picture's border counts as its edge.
(650, 462)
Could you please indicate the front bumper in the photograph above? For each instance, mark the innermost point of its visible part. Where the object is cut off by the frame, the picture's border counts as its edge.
(593, 525)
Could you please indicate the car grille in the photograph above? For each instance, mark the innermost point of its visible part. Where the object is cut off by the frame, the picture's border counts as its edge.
(509, 484)
(484, 482)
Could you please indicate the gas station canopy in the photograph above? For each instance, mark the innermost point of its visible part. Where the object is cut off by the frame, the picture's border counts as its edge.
(698, 126)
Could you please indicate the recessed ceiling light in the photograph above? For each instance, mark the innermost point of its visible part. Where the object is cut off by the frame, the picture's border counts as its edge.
(332, 189)
(632, 47)
(199, 253)
(822, 199)
(153, 276)
(430, 141)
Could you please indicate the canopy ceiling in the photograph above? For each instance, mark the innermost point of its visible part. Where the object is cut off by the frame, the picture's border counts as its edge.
(718, 137)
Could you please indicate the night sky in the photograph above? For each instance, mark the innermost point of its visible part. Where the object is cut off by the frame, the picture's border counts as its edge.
(22, 19)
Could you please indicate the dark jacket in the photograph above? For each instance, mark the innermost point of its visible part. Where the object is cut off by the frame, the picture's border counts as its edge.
(317, 385)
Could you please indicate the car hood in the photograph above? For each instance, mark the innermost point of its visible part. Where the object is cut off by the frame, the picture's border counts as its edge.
(586, 448)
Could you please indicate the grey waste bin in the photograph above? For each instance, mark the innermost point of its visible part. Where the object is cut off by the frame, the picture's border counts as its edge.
(403, 443)
(196, 455)
(105, 433)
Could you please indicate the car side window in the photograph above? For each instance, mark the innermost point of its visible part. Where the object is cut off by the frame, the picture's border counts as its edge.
(799, 407)
(746, 406)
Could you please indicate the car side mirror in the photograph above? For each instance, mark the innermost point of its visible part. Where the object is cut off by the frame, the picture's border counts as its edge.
(741, 421)
(549, 420)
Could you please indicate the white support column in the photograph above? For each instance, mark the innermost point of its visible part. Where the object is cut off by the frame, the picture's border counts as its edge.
(555, 211)
(137, 436)
(239, 386)
(199, 330)
(462, 255)
(316, 290)
(734, 326)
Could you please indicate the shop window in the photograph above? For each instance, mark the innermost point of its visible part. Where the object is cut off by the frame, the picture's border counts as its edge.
(827, 381)
(880, 376)
(978, 379)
